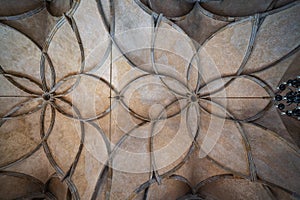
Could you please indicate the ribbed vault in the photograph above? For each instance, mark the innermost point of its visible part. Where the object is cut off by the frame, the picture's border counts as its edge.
(149, 99)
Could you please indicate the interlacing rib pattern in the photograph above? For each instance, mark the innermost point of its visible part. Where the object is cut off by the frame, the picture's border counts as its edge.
(197, 93)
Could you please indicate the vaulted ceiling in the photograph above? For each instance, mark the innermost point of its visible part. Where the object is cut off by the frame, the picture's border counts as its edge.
(149, 99)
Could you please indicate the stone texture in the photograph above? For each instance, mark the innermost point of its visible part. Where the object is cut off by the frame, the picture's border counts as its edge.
(238, 189)
(24, 186)
(272, 45)
(236, 7)
(22, 58)
(42, 22)
(144, 76)
(14, 7)
(198, 26)
(270, 165)
(230, 42)
(171, 8)
(19, 137)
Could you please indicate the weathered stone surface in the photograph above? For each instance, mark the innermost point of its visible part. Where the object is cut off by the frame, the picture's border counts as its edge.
(64, 141)
(168, 190)
(235, 189)
(24, 186)
(158, 95)
(275, 160)
(171, 8)
(58, 7)
(23, 57)
(64, 52)
(230, 148)
(273, 45)
(9, 7)
(19, 137)
(36, 165)
(224, 53)
(198, 26)
(237, 7)
(37, 27)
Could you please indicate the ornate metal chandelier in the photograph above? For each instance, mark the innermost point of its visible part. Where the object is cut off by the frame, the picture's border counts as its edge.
(288, 98)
